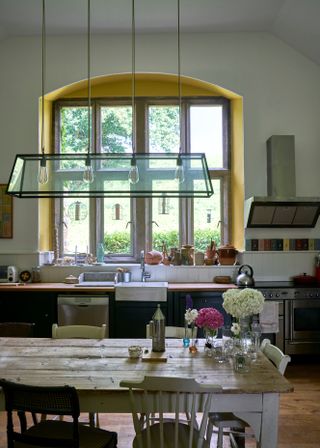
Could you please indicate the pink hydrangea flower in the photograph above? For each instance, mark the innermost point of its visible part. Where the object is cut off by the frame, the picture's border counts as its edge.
(209, 318)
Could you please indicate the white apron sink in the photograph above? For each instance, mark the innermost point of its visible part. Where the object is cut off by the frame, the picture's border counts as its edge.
(142, 291)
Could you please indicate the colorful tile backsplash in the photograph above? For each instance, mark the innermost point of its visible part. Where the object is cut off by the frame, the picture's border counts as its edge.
(280, 244)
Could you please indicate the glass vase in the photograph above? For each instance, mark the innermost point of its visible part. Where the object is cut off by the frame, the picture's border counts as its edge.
(193, 347)
(186, 339)
(245, 324)
(210, 336)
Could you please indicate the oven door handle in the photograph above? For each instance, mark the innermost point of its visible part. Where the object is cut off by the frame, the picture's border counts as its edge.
(291, 320)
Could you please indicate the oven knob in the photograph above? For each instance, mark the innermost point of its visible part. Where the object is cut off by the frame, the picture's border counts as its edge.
(271, 295)
(311, 295)
(277, 295)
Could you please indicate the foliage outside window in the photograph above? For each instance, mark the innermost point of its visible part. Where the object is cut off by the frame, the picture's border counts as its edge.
(124, 225)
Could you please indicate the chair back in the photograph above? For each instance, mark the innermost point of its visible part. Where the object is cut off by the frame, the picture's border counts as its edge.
(172, 395)
(275, 355)
(17, 329)
(78, 331)
(175, 332)
(37, 399)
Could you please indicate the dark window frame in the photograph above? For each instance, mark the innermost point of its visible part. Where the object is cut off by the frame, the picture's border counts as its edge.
(141, 210)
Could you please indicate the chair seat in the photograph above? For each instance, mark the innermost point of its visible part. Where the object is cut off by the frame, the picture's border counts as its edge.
(89, 437)
(226, 420)
(168, 435)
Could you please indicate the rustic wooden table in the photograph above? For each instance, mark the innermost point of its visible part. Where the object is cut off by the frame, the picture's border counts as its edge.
(95, 368)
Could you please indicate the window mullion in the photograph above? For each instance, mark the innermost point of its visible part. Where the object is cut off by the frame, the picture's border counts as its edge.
(141, 210)
(96, 224)
(187, 215)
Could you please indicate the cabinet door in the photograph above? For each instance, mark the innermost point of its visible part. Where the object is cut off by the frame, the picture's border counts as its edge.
(39, 308)
(131, 318)
(200, 299)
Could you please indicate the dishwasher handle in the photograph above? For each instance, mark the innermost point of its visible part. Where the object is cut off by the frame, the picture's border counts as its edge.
(83, 300)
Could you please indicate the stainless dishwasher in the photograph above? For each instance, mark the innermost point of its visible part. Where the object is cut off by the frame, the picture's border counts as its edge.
(83, 310)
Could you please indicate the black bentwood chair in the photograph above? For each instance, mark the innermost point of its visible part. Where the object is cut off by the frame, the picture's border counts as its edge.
(50, 433)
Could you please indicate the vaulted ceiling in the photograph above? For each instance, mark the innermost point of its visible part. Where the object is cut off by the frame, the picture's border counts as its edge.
(294, 21)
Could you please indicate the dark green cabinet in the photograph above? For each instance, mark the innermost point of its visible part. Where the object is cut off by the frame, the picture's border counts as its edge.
(200, 299)
(37, 307)
(130, 318)
(127, 319)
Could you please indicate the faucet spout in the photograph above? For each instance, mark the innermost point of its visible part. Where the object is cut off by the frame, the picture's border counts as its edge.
(144, 274)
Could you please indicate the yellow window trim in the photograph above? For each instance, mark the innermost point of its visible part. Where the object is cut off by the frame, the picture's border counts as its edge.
(153, 84)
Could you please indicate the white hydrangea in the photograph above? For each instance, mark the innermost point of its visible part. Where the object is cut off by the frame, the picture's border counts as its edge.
(235, 328)
(242, 302)
(190, 316)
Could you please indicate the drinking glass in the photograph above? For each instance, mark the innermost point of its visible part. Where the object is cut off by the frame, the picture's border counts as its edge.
(256, 331)
(241, 362)
(249, 344)
(227, 342)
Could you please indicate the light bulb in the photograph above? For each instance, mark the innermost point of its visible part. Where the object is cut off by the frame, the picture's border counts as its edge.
(133, 176)
(88, 175)
(43, 172)
(179, 173)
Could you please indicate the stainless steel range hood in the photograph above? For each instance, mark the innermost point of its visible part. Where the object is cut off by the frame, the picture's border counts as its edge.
(281, 208)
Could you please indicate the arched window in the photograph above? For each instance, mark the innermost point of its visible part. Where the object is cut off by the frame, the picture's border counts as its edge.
(125, 225)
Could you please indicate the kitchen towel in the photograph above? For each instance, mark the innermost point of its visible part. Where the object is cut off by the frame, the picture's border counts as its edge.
(269, 317)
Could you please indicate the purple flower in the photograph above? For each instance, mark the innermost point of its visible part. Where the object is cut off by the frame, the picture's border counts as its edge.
(189, 302)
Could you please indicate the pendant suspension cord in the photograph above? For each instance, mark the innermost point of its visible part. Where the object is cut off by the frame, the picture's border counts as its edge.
(89, 74)
(43, 70)
(179, 75)
(133, 78)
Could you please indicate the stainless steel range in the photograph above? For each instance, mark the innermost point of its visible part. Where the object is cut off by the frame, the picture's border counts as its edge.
(302, 322)
(280, 295)
(299, 317)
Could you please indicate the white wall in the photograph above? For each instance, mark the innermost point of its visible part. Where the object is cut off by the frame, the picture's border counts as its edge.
(280, 88)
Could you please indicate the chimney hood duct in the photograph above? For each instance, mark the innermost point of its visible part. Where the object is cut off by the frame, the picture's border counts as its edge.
(281, 208)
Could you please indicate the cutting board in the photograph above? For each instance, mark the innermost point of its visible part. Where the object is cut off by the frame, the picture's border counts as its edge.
(154, 357)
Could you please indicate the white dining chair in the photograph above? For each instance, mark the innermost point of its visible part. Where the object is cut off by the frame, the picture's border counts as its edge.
(86, 332)
(228, 423)
(175, 332)
(161, 395)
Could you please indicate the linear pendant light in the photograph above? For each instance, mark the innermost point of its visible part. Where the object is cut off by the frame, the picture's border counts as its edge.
(94, 174)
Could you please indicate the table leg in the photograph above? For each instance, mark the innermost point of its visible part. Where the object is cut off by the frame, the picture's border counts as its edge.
(269, 426)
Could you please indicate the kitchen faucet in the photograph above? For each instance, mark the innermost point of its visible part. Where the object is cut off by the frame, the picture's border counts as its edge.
(144, 274)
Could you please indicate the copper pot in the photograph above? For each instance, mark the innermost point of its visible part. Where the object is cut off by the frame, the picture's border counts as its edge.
(227, 254)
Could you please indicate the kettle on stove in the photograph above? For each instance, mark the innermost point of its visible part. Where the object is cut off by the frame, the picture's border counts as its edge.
(245, 276)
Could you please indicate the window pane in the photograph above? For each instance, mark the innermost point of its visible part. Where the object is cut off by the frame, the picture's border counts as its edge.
(206, 133)
(207, 216)
(116, 129)
(164, 133)
(73, 129)
(165, 214)
(76, 225)
(117, 226)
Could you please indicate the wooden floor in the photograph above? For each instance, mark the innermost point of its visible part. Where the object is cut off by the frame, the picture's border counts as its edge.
(299, 425)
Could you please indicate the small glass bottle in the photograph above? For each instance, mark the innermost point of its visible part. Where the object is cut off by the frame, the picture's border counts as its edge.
(186, 339)
(100, 253)
(193, 346)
